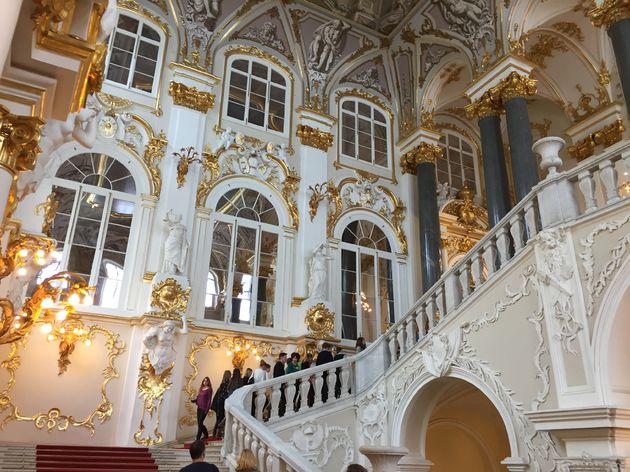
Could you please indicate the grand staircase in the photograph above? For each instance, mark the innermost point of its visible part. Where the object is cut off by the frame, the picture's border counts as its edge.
(45, 458)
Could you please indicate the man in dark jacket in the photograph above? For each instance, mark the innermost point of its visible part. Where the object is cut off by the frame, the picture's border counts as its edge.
(278, 371)
(324, 357)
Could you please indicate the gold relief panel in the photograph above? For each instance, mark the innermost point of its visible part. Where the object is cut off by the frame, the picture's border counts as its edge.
(151, 388)
(153, 154)
(170, 298)
(515, 85)
(314, 137)
(49, 209)
(606, 136)
(486, 105)
(424, 153)
(54, 418)
(190, 97)
(320, 322)
(19, 141)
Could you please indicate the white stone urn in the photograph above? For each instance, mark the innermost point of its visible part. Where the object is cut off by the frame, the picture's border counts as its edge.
(384, 458)
(549, 149)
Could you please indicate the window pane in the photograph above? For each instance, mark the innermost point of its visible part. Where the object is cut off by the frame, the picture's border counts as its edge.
(81, 259)
(256, 117)
(236, 110)
(368, 298)
(110, 279)
(259, 70)
(142, 82)
(127, 23)
(218, 272)
(150, 33)
(117, 74)
(349, 105)
(380, 158)
(148, 50)
(239, 81)
(277, 78)
(347, 148)
(241, 64)
(364, 110)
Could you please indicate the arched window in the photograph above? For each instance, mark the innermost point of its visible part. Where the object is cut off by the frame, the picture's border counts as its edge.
(241, 284)
(133, 59)
(257, 95)
(367, 286)
(97, 198)
(457, 165)
(364, 134)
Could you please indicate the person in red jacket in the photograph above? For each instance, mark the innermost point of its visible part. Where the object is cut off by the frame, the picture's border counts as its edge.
(203, 401)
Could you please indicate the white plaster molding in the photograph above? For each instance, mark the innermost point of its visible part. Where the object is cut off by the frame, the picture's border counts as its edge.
(372, 414)
(317, 442)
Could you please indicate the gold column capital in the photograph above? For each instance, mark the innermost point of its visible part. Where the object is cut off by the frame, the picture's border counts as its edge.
(19, 141)
(424, 153)
(190, 97)
(314, 137)
(609, 13)
(515, 85)
(486, 105)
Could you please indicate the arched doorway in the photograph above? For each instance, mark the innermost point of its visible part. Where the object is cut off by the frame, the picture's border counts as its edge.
(453, 424)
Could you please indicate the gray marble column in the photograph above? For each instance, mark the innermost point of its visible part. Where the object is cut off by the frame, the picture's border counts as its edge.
(619, 34)
(524, 170)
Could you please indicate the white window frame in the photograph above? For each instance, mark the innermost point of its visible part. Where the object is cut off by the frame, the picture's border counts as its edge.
(109, 195)
(270, 68)
(132, 67)
(376, 254)
(355, 114)
(259, 227)
(473, 154)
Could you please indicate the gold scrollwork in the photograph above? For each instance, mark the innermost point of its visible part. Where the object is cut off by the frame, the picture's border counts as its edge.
(54, 418)
(424, 153)
(320, 322)
(314, 137)
(545, 47)
(256, 52)
(19, 141)
(339, 94)
(186, 157)
(486, 105)
(606, 136)
(588, 104)
(134, 6)
(170, 298)
(49, 208)
(153, 154)
(609, 13)
(515, 85)
(151, 388)
(190, 97)
(210, 173)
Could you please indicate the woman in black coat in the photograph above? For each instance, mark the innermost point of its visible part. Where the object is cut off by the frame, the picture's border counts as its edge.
(218, 403)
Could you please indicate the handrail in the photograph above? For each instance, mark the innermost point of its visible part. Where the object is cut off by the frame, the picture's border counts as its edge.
(551, 202)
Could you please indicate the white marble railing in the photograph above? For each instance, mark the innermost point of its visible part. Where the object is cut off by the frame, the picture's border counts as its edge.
(562, 197)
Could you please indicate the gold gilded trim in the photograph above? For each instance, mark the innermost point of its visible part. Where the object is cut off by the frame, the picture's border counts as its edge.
(19, 141)
(53, 418)
(49, 208)
(153, 154)
(339, 94)
(605, 136)
(135, 7)
(151, 388)
(486, 105)
(424, 153)
(314, 137)
(170, 298)
(190, 97)
(609, 13)
(257, 52)
(515, 85)
(320, 322)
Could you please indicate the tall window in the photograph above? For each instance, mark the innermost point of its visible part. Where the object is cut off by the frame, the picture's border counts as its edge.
(257, 95)
(241, 284)
(97, 198)
(367, 287)
(457, 165)
(134, 50)
(364, 133)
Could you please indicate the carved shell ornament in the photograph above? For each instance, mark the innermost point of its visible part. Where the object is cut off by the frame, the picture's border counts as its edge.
(439, 355)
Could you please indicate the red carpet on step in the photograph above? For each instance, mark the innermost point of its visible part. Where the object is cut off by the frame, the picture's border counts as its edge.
(94, 459)
(207, 440)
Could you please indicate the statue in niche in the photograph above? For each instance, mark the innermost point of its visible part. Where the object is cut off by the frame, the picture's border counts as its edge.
(465, 15)
(159, 342)
(175, 246)
(326, 45)
(318, 273)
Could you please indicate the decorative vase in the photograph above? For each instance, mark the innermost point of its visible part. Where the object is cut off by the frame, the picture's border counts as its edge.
(549, 149)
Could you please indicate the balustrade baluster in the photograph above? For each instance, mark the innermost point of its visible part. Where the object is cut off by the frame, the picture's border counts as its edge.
(410, 326)
(261, 398)
(392, 348)
(271, 463)
(254, 446)
(234, 441)
(420, 320)
(305, 386)
(240, 437)
(503, 245)
(516, 230)
(331, 380)
(247, 440)
(490, 256)
(262, 453)
(626, 161)
(439, 299)
(275, 402)
(587, 187)
(290, 396)
(431, 313)
(400, 338)
(345, 381)
(464, 280)
(608, 177)
(476, 267)
(453, 292)
(530, 219)
(319, 382)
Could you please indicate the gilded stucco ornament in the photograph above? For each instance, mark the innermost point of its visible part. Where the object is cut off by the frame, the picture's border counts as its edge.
(185, 157)
(239, 155)
(170, 299)
(424, 153)
(320, 322)
(339, 94)
(609, 13)
(151, 389)
(49, 209)
(54, 419)
(486, 105)
(19, 141)
(314, 137)
(605, 136)
(190, 97)
(515, 85)
(152, 156)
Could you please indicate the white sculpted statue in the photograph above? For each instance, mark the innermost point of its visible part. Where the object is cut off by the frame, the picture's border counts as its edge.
(318, 268)
(159, 342)
(227, 138)
(82, 126)
(108, 21)
(467, 15)
(198, 11)
(326, 45)
(175, 246)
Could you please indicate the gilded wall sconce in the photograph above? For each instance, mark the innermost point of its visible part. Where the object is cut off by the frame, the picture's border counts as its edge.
(186, 157)
(240, 348)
